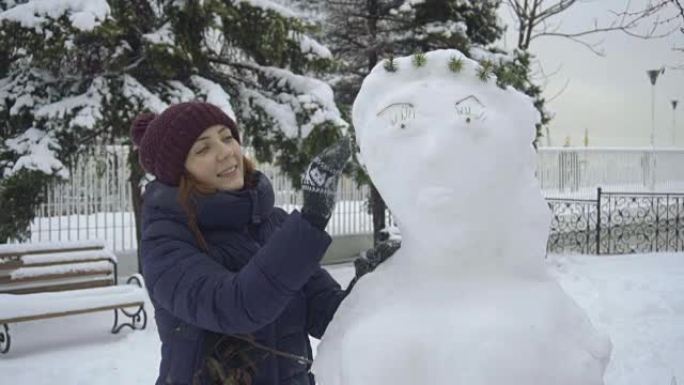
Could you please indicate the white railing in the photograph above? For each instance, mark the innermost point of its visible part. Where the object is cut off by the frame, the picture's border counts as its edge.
(96, 202)
(578, 172)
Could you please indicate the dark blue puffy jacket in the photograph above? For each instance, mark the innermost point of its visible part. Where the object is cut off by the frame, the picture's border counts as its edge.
(261, 277)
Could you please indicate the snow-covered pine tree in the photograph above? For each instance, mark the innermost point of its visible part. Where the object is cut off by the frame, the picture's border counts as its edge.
(78, 72)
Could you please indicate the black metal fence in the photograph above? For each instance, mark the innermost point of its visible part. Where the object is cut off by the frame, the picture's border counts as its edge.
(617, 223)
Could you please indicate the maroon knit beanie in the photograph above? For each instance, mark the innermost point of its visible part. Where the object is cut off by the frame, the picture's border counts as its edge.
(164, 140)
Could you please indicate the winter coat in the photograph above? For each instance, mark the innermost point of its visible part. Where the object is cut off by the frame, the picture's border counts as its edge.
(261, 277)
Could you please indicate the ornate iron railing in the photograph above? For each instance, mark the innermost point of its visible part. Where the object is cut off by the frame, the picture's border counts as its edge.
(573, 226)
(618, 223)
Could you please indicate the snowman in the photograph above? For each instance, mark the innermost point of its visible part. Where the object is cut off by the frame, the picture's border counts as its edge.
(466, 299)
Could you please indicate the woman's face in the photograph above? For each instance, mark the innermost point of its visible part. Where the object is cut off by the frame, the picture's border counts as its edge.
(215, 160)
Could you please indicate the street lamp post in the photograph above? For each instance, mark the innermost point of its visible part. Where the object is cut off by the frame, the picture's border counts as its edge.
(653, 76)
(674, 122)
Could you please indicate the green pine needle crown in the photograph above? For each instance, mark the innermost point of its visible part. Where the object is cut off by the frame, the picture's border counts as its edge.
(455, 64)
(484, 71)
(419, 59)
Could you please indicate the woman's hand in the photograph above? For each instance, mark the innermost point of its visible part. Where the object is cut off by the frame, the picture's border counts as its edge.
(319, 182)
(370, 259)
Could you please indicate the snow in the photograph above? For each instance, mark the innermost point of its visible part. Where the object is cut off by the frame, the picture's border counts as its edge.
(135, 90)
(21, 86)
(26, 305)
(303, 93)
(214, 94)
(163, 35)
(22, 248)
(68, 256)
(213, 37)
(83, 14)
(37, 152)
(282, 114)
(481, 54)
(268, 5)
(310, 46)
(83, 267)
(88, 106)
(446, 29)
(178, 92)
(636, 299)
(448, 152)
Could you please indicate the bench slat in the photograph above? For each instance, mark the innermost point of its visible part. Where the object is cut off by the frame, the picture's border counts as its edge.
(34, 259)
(60, 287)
(11, 264)
(33, 273)
(32, 305)
(19, 264)
(49, 277)
(49, 247)
(71, 312)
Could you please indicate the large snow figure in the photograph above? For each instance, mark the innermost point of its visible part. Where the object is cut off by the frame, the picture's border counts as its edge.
(467, 299)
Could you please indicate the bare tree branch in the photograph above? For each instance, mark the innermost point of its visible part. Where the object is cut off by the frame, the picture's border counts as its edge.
(534, 17)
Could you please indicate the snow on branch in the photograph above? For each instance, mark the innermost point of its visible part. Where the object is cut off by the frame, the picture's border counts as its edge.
(282, 114)
(84, 15)
(163, 35)
(214, 94)
(177, 92)
(482, 54)
(310, 47)
(86, 108)
(309, 99)
(268, 5)
(37, 152)
(133, 89)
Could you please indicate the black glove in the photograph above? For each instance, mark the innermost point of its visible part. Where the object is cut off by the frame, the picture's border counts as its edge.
(372, 258)
(319, 182)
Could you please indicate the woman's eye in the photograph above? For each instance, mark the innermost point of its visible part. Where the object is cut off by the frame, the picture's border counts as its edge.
(398, 114)
(227, 139)
(202, 150)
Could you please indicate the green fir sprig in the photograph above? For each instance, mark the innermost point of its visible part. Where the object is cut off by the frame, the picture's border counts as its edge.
(455, 64)
(485, 70)
(419, 59)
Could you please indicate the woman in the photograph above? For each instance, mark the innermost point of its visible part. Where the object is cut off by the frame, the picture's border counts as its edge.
(236, 283)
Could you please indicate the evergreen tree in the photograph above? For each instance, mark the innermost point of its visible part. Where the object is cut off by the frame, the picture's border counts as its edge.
(77, 73)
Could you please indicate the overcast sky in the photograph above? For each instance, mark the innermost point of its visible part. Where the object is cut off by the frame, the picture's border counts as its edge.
(609, 96)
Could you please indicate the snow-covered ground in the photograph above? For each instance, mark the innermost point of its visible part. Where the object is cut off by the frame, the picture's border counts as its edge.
(637, 299)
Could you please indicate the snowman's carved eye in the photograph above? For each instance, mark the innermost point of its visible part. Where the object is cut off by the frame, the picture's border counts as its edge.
(471, 108)
(398, 114)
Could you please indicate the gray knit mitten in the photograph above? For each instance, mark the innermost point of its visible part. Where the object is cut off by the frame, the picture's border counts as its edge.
(319, 182)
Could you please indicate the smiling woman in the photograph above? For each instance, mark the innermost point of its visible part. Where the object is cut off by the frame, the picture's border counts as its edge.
(215, 160)
(236, 283)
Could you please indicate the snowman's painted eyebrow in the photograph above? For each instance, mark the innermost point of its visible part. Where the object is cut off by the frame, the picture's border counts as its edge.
(470, 97)
(409, 105)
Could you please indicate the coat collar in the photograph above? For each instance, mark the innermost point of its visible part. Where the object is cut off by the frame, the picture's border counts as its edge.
(222, 210)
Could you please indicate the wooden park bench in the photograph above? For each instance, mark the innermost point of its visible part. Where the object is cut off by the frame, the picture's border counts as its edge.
(47, 280)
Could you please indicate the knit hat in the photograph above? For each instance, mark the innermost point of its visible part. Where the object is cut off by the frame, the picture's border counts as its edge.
(164, 140)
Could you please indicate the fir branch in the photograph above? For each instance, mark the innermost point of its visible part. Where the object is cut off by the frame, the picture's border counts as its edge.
(419, 59)
(484, 71)
(455, 64)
